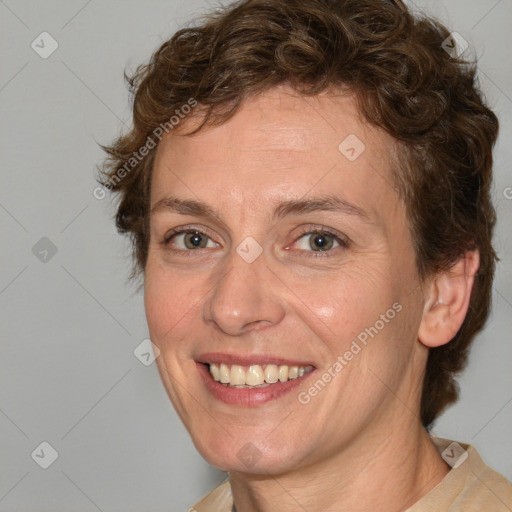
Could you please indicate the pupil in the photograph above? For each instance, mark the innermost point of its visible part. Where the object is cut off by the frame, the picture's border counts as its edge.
(320, 240)
(196, 238)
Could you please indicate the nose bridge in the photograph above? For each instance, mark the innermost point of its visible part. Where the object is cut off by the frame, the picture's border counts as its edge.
(246, 293)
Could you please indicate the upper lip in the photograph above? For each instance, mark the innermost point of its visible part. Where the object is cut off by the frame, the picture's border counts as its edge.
(249, 359)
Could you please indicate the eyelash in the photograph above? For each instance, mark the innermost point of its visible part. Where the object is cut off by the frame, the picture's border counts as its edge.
(342, 241)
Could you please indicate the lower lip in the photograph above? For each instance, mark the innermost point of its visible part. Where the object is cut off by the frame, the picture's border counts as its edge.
(248, 397)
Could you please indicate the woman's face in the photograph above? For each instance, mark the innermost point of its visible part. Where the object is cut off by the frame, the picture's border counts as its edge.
(302, 258)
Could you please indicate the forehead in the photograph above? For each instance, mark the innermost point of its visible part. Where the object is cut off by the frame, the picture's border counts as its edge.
(280, 144)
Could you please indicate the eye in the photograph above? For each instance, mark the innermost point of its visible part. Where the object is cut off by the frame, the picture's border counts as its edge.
(320, 240)
(313, 240)
(186, 239)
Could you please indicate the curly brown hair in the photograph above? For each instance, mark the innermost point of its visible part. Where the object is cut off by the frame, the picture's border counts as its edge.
(406, 83)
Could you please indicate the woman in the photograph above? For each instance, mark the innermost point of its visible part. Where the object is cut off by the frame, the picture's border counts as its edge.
(307, 189)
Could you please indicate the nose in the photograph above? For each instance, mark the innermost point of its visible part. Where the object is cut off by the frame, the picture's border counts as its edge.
(246, 295)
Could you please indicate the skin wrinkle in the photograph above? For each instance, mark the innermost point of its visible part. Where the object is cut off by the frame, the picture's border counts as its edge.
(357, 70)
(276, 305)
(446, 130)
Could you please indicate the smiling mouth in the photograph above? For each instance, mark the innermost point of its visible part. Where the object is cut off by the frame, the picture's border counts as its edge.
(256, 375)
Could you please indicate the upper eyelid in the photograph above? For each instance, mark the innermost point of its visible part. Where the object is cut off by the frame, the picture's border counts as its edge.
(185, 230)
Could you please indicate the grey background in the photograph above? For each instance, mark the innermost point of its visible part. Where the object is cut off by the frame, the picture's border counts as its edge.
(70, 325)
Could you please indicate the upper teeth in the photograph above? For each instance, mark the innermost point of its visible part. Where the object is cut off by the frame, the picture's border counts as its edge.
(255, 375)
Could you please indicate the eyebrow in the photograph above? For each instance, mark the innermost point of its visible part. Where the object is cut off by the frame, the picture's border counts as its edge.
(282, 209)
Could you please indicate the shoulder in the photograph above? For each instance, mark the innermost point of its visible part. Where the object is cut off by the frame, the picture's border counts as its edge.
(218, 500)
(471, 485)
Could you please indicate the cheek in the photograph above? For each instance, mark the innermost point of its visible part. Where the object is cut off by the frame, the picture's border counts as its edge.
(168, 303)
(348, 300)
(332, 312)
(365, 318)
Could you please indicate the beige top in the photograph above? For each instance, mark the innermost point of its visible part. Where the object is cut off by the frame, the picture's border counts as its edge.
(470, 486)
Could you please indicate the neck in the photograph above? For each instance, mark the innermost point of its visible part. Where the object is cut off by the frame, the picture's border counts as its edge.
(387, 470)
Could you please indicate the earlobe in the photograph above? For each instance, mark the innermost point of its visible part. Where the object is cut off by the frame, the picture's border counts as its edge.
(447, 301)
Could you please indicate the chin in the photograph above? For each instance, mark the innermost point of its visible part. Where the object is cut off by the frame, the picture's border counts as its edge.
(249, 454)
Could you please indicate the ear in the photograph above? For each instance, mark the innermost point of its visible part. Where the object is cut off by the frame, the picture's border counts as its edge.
(447, 301)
